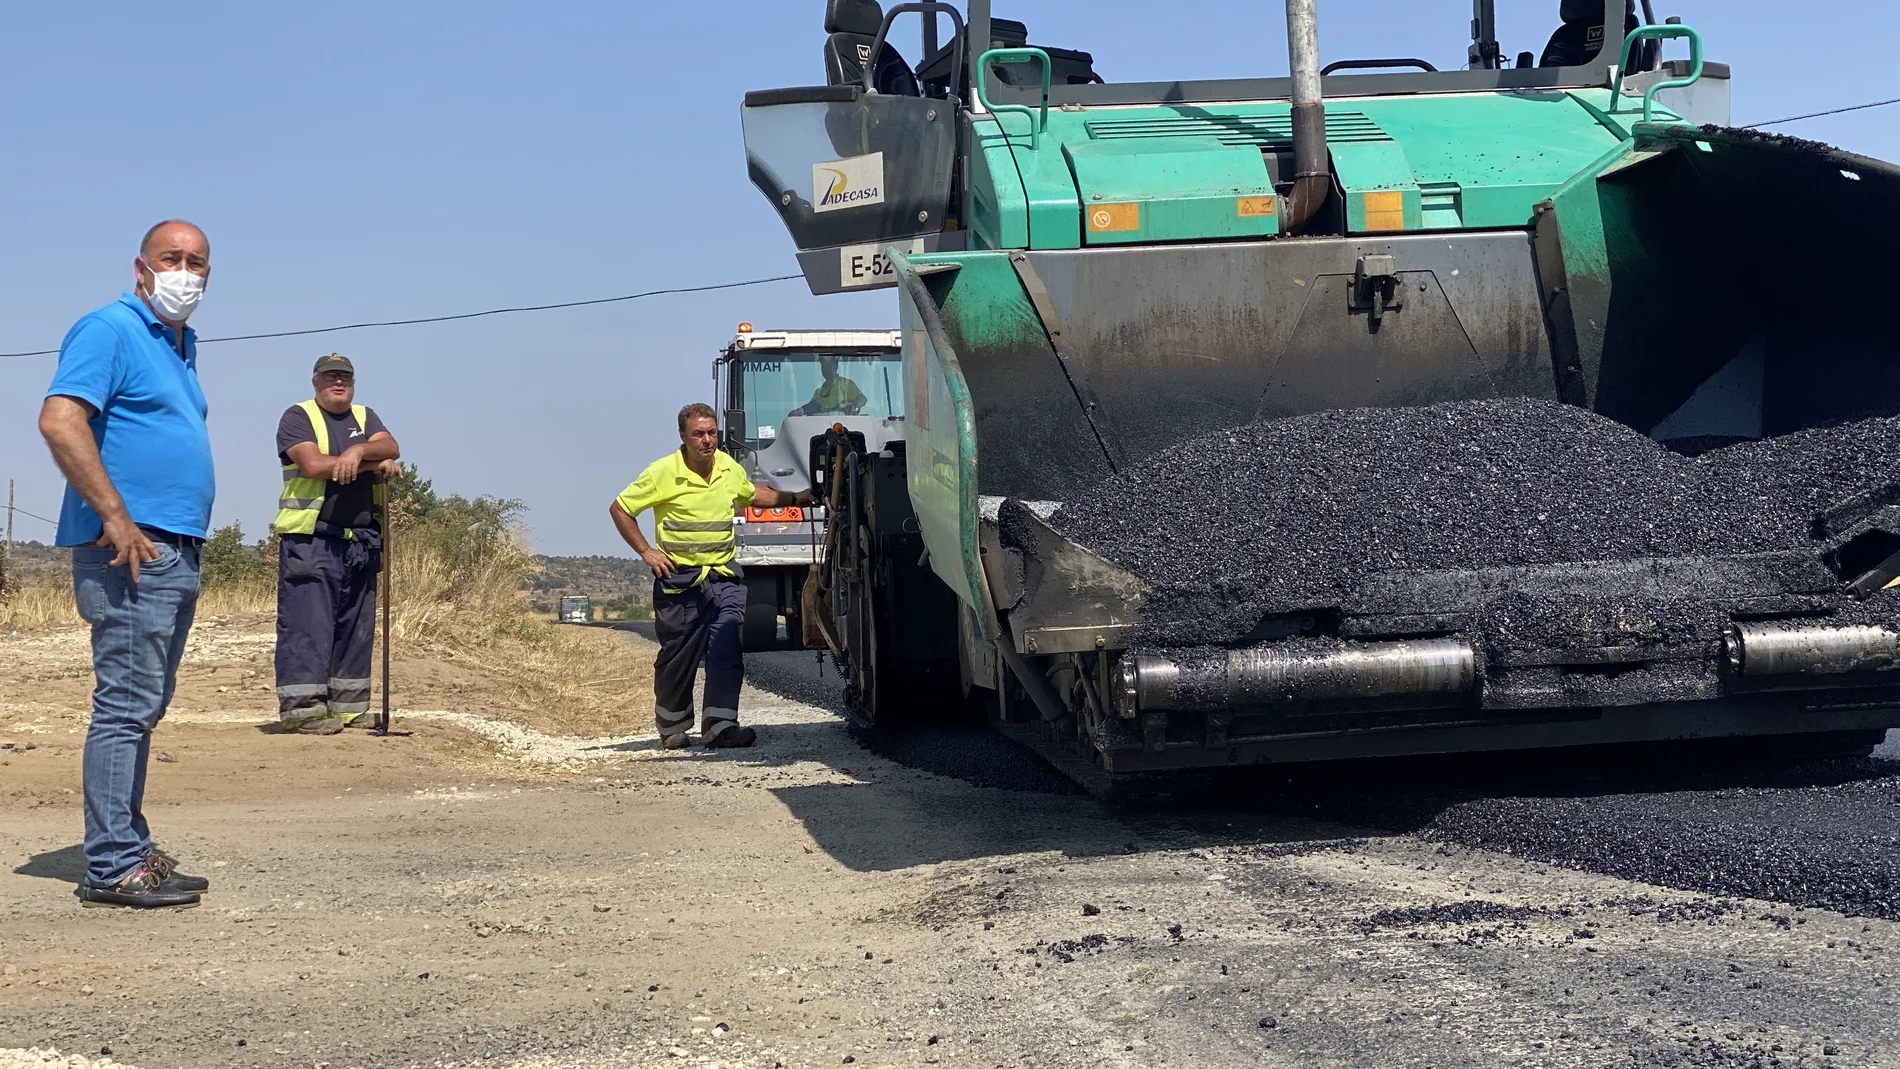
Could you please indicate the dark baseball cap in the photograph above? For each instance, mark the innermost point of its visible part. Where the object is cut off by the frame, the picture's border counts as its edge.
(335, 362)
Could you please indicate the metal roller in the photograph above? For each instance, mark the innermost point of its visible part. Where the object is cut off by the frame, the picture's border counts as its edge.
(1277, 675)
(1779, 649)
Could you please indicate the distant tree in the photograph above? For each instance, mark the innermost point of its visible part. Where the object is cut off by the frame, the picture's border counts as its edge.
(227, 560)
(414, 491)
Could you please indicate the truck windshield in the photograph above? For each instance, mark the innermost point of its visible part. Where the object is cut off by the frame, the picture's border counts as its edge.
(780, 384)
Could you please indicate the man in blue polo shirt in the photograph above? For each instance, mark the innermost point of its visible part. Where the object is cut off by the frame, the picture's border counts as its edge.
(125, 420)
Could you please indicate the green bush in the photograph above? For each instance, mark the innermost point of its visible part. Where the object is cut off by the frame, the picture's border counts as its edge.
(462, 532)
(228, 561)
(624, 607)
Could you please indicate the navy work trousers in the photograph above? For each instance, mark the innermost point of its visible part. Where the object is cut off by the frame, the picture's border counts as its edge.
(696, 623)
(326, 625)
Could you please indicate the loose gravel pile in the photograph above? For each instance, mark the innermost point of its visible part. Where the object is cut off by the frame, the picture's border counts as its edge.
(1282, 515)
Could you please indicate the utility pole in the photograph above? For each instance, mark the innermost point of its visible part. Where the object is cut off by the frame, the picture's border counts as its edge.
(6, 562)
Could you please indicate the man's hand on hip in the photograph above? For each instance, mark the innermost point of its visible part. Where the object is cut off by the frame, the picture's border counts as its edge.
(133, 547)
(661, 564)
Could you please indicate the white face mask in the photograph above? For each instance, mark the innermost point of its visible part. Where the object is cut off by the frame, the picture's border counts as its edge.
(175, 293)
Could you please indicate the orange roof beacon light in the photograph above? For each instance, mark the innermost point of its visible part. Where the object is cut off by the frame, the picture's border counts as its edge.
(745, 328)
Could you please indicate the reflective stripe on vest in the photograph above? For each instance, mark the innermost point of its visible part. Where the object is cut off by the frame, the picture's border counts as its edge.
(301, 503)
(687, 543)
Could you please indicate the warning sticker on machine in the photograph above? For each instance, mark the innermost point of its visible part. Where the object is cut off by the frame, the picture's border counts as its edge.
(1105, 218)
(854, 182)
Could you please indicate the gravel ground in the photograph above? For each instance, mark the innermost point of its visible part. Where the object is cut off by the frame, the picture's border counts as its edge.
(832, 904)
(15, 1058)
(1283, 515)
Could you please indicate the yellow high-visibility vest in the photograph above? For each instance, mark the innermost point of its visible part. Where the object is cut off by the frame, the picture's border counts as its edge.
(301, 503)
(692, 516)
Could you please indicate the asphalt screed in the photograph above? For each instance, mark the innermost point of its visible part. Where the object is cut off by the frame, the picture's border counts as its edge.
(1291, 516)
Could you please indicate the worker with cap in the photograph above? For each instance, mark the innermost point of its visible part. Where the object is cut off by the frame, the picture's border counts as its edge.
(698, 591)
(835, 395)
(337, 458)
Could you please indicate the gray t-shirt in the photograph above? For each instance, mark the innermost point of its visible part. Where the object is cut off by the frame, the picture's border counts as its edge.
(344, 507)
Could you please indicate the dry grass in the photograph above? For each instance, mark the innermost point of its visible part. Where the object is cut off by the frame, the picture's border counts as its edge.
(236, 598)
(47, 601)
(37, 604)
(571, 680)
(461, 600)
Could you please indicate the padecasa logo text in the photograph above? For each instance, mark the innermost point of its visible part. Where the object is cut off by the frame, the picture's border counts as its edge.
(840, 192)
(854, 182)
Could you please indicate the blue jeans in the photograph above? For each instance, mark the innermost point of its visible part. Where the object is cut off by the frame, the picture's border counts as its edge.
(138, 636)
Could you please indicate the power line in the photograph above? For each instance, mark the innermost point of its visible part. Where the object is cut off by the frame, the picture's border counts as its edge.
(1819, 114)
(467, 315)
(36, 516)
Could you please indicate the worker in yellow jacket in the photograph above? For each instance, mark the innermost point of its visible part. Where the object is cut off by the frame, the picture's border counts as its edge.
(698, 591)
(835, 395)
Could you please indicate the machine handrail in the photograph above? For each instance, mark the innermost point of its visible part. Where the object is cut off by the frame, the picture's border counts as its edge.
(981, 79)
(1375, 64)
(922, 7)
(1658, 33)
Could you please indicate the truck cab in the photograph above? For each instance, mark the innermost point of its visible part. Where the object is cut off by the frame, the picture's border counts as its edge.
(778, 390)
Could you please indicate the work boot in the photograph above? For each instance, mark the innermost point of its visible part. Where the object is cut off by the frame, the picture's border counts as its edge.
(318, 725)
(677, 741)
(733, 738)
(143, 889)
(170, 879)
(365, 720)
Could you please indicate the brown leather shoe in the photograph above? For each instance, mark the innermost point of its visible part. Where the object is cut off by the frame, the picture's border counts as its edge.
(170, 879)
(143, 889)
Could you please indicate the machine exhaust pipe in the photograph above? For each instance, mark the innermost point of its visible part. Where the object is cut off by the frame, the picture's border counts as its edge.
(1782, 649)
(1312, 163)
(1277, 675)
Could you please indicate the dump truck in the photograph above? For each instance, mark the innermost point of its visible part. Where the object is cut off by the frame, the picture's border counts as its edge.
(1085, 269)
(777, 388)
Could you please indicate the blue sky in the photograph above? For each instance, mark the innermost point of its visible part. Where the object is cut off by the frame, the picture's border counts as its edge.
(357, 161)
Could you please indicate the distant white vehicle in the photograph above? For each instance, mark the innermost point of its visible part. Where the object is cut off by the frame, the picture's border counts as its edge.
(576, 610)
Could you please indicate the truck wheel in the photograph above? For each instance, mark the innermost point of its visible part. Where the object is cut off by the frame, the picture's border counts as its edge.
(877, 688)
(760, 630)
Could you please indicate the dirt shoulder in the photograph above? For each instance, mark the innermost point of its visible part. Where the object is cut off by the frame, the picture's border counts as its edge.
(483, 893)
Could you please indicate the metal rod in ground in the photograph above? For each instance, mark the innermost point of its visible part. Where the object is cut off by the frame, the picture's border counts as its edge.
(388, 595)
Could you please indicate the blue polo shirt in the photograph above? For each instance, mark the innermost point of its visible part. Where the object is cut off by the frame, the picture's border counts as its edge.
(150, 421)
